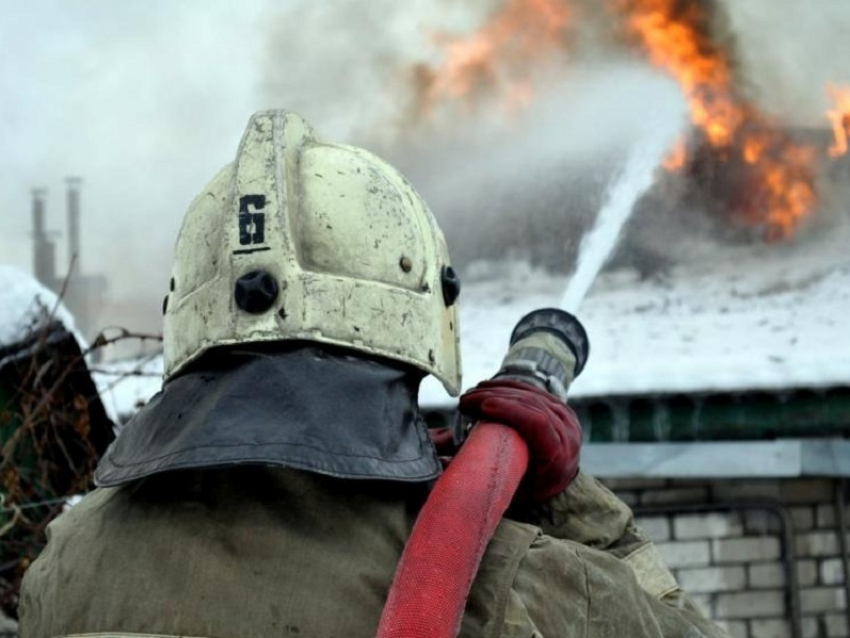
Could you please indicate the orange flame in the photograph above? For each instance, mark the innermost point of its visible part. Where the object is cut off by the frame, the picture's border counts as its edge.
(497, 58)
(678, 157)
(777, 172)
(766, 178)
(839, 117)
(673, 41)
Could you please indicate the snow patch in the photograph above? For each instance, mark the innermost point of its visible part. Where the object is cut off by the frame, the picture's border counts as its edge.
(740, 321)
(128, 384)
(709, 327)
(25, 305)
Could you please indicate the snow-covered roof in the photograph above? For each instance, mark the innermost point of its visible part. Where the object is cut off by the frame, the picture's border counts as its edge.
(772, 318)
(25, 304)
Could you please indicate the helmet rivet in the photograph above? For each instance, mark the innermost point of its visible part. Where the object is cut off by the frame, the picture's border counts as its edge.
(255, 292)
(405, 263)
(451, 285)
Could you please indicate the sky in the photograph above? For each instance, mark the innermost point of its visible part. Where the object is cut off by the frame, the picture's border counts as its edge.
(146, 101)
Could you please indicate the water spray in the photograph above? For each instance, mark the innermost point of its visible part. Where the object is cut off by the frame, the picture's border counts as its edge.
(636, 177)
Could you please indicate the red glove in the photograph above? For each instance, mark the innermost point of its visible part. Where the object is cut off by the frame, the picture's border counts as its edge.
(550, 428)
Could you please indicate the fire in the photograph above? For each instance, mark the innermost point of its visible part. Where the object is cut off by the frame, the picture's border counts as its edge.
(674, 37)
(497, 58)
(784, 188)
(753, 168)
(754, 148)
(678, 157)
(777, 173)
(839, 118)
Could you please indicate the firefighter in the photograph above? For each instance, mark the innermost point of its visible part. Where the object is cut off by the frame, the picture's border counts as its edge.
(270, 487)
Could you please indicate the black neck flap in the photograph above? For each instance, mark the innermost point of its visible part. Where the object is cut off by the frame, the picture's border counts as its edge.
(306, 408)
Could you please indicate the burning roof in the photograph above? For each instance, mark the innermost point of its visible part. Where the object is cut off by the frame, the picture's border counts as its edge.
(496, 59)
(759, 174)
(839, 118)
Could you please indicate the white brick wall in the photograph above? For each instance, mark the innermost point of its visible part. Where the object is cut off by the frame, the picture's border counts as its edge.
(712, 579)
(826, 516)
(832, 571)
(766, 575)
(690, 554)
(750, 604)
(770, 628)
(765, 522)
(735, 628)
(817, 544)
(836, 625)
(675, 495)
(715, 525)
(819, 599)
(745, 550)
(769, 575)
(807, 573)
(655, 527)
(731, 562)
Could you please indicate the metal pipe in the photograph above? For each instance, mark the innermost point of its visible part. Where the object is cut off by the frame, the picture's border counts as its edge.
(789, 553)
(39, 234)
(74, 221)
(841, 519)
(38, 195)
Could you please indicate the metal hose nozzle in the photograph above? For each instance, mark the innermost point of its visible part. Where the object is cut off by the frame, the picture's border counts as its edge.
(548, 348)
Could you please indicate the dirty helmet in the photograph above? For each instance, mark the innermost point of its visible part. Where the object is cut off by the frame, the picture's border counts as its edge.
(300, 239)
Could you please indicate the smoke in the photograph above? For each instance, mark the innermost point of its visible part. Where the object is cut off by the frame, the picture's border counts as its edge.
(525, 185)
(345, 66)
(529, 189)
(790, 51)
(520, 183)
(146, 101)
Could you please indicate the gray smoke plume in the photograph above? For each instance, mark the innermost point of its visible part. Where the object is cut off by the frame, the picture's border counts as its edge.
(791, 51)
(146, 101)
(520, 185)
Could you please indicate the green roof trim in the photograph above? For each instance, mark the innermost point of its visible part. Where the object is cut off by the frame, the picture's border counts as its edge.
(715, 417)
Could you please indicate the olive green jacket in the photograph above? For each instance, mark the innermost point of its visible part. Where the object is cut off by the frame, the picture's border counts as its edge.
(257, 552)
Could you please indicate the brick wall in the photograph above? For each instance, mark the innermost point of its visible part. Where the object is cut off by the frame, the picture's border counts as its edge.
(732, 562)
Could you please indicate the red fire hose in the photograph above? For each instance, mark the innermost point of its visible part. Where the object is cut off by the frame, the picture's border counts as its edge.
(433, 578)
(432, 581)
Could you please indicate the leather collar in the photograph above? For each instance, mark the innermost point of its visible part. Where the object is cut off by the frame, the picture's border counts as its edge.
(306, 408)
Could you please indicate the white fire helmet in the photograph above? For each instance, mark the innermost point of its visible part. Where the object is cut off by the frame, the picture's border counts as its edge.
(299, 239)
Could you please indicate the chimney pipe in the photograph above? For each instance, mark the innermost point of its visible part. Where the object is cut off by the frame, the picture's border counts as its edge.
(44, 265)
(74, 221)
(38, 196)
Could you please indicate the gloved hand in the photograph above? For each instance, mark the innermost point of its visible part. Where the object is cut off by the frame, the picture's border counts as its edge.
(550, 429)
